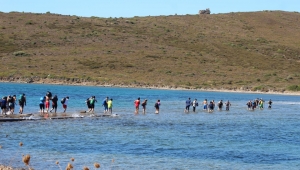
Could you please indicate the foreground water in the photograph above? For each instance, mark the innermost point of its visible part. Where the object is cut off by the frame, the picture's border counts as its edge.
(235, 139)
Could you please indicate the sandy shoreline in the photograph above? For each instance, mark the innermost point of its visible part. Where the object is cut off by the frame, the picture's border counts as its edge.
(240, 90)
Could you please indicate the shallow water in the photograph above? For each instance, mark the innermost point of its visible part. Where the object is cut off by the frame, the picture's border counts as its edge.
(235, 139)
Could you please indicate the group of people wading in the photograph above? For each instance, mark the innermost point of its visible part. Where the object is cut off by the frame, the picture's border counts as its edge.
(45, 103)
(258, 103)
(8, 104)
(207, 106)
(107, 103)
(137, 103)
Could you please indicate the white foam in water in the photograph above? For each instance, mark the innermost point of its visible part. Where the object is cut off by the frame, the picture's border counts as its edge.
(8, 113)
(32, 117)
(76, 115)
(114, 115)
(92, 115)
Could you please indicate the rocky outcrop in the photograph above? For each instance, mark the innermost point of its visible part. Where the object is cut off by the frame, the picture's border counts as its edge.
(207, 11)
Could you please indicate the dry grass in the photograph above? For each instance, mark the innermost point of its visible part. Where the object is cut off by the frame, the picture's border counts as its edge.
(254, 51)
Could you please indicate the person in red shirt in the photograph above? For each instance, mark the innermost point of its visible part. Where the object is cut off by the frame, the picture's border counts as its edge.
(137, 104)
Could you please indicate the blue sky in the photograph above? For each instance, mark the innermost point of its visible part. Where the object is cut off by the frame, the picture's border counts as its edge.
(130, 8)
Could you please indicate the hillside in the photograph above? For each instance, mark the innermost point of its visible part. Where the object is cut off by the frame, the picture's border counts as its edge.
(250, 51)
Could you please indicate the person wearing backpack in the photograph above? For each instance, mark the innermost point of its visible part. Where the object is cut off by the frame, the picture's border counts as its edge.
(22, 103)
(12, 103)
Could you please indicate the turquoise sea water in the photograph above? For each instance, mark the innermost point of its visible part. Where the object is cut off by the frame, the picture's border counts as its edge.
(235, 139)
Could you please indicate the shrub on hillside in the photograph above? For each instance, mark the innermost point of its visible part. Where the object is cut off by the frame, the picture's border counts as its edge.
(294, 88)
(20, 53)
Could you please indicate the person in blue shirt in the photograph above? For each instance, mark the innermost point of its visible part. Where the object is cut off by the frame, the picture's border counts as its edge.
(104, 104)
(42, 104)
(187, 105)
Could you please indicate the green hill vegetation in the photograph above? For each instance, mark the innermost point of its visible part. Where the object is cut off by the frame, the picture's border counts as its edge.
(249, 50)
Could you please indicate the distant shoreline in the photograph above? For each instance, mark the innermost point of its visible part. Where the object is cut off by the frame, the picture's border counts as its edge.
(57, 82)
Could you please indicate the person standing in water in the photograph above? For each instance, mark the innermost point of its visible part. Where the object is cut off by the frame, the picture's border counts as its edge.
(144, 106)
(187, 105)
(261, 103)
(104, 104)
(87, 101)
(137, 105)
(110, 105)
(205, 104)
(195, 104)
(270, 104)
(220, 104)
(210, 107)
(3, 105)
(92, 103)
(54, 103)
(47, 103)
(22, 103)
(12, 103)
(42, 105)
(157, 104)
(227, 104)
(65, 104)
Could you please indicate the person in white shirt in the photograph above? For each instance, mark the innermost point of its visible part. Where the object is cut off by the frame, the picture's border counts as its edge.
(65, 104)
(195, 104)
